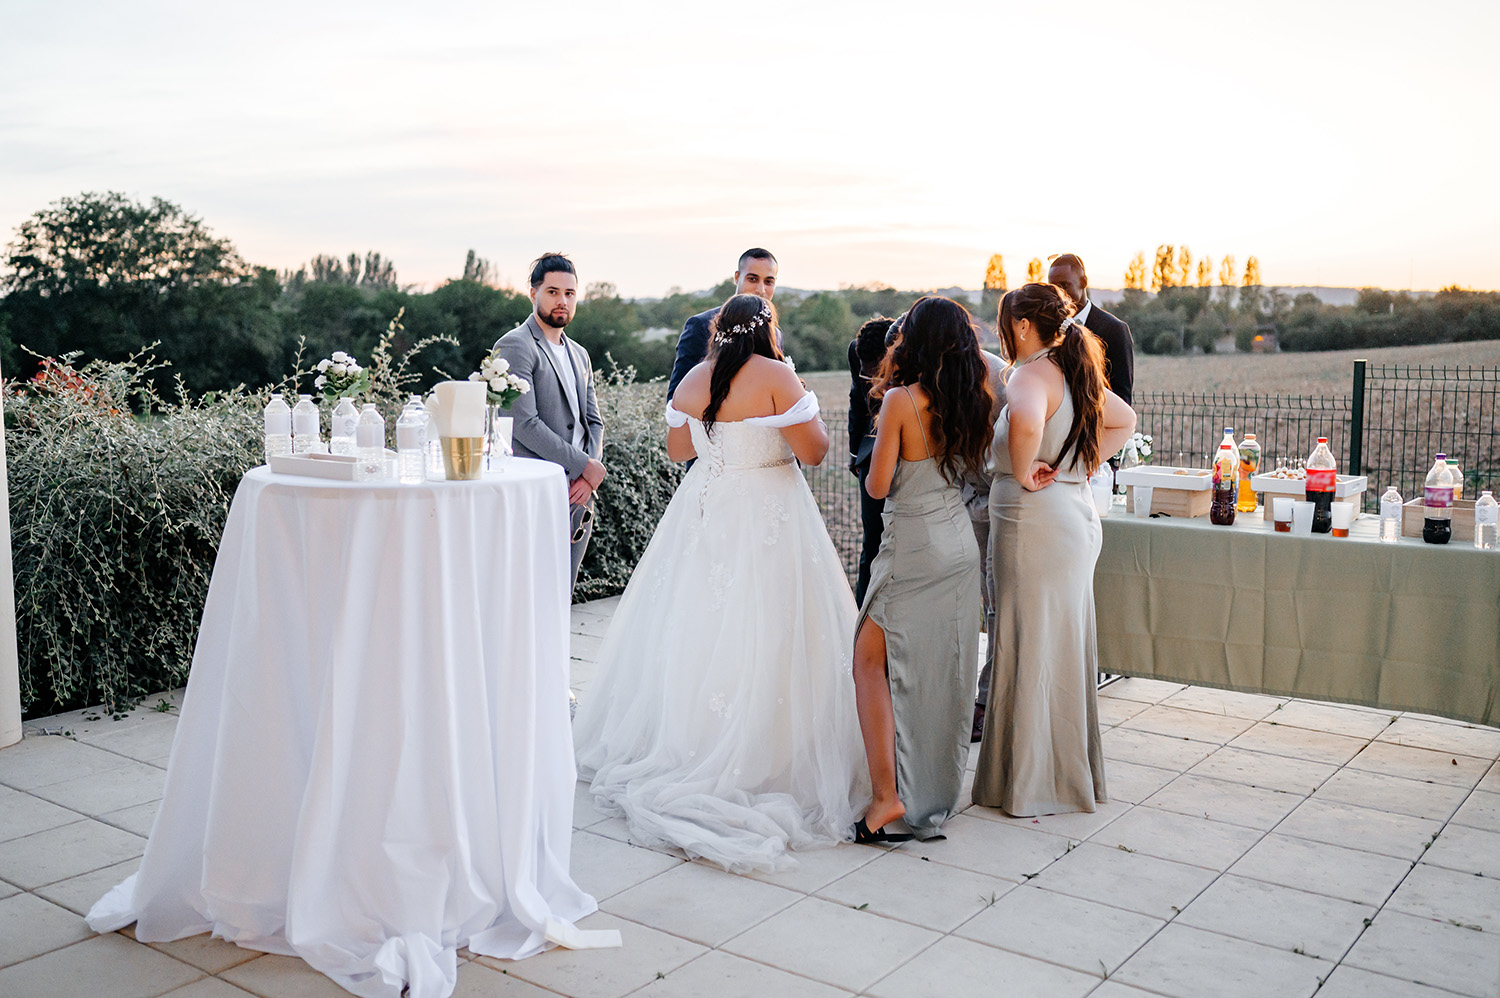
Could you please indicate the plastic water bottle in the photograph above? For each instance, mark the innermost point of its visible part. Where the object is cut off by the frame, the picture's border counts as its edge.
(433, 447)
(341, 429)
(1486, 521)
(1390, 516)
(370, 445)
(1437, 493)
(411, 433)
(306, 426)
(278, 427)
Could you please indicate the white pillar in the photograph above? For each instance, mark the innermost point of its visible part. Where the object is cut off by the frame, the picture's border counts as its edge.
(10, 661)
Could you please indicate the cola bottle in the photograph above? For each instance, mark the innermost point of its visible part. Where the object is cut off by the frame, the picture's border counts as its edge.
(1226, 486)
(1322, 477)
(1437, 502)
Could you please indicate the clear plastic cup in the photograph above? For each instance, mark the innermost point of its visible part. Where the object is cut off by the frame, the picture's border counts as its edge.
(1343, 516)
(1143, 495)
(1302, 517)
(1281, 512)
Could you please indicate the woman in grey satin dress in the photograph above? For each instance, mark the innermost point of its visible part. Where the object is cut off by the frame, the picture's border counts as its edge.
(916, 646)
(1041, 751)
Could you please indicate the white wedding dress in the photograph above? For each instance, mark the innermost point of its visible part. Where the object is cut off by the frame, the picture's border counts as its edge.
(723, 719)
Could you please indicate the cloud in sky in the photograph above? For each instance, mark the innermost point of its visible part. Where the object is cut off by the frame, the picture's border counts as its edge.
(1342, 143)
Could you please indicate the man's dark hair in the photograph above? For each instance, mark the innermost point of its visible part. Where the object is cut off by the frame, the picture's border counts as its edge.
(550, 263)
(754, 253)
(869, 342)
(1068, 260)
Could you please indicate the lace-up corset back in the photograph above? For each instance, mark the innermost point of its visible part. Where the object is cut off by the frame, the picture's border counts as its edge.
(740, 445)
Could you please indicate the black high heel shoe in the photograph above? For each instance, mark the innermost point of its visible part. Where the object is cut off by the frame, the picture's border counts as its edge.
(864, 837)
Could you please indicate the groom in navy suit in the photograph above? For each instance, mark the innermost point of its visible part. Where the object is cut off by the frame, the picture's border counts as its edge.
(755, 275)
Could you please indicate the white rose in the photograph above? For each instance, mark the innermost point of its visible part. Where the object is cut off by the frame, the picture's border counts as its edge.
(324, 365)
(338, 368)
(497, 384)
(320, 381)
(340, 357)
(355, 368)
(476, 376)
(524, 387)
(501, 365)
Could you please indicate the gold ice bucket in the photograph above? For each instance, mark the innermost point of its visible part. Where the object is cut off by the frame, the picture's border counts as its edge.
(463, 458)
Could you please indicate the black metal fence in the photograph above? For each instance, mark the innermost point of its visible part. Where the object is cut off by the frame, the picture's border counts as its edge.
(1390, 425)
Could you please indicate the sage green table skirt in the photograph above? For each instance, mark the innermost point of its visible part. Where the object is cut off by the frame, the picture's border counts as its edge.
(1405, 626)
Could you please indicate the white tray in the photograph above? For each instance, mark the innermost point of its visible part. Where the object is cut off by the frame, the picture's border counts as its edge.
(339, 467)
(1166, 477)
(1344, 485)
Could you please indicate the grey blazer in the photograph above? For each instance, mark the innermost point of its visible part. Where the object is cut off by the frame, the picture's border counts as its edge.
(543, 425)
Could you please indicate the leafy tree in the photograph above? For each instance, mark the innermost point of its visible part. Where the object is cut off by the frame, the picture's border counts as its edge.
(817, 330)
(1034, 272)
(477, 269)
(1226, 271)
(1252, 273)
(1135, 274)
(1164, 269)
(1205, 272)
(1184, 267)
(995, 284)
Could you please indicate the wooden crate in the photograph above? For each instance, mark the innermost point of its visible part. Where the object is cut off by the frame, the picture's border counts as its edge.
(1174, 502)
(1463, 520)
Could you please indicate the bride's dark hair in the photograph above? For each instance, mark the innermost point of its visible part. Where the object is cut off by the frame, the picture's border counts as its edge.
(745, 326)
(938, 349)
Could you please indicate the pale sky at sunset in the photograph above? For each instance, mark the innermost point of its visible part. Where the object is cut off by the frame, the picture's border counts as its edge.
(1341, 143)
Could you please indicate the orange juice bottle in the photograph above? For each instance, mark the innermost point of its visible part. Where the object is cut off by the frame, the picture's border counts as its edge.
(1249, 463)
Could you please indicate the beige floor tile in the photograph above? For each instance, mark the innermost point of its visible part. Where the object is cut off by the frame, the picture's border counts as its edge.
(23, 814)
(275, 976)
(961, 967)
(1271, 772)
(1185, 962)
(1219, 800)
(1467, 850)
(1362, 877)
(1480, 810)
(604, 867)
(78, 894)
(143, 741)
(41, 760)
(603, 973)
(819, 867)
(1300, 743)
(1131, 783)
(478, 980)
(1113, 710)
(589, 624)
(700, 903)
(1351, 982)
(1082, 935)
(1143, 690)
(1385, 832)
(1432, 952)
(584, 811)
(931, 895)
(1228, 703)
(1279, 917)
(1434, 892)
(1333, 719)
(1165, 719)
(104, 965)
(8, 890)
(724, 975)
(137, 820)
(584, 647)
(1491, 781)
(1182, 838)
(833, 943)
(30, 926)
(1114, 989)
(993, 848)
(1392, 793)
(209, 987)
(66, 851)
(1129, 880)
(1146, 749)
(1454, 738)
(1076, 825)
(210, 955)
(1420, 764)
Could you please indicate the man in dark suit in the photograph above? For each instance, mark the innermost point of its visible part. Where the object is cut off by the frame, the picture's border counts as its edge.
(866, 351)
(1119, 349)
(755, 275)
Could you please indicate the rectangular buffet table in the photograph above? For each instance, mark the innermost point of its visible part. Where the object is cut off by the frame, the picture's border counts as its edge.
(1405, 626)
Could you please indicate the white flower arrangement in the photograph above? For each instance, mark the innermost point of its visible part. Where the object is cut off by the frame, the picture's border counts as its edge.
(341, 377)
(1137, 449)
(503, 387)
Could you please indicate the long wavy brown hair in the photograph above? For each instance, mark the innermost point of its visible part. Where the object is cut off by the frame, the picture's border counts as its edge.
(1077, 352)
(939, 350)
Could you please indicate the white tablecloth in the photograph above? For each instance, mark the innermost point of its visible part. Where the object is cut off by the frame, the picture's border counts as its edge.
(374, 764)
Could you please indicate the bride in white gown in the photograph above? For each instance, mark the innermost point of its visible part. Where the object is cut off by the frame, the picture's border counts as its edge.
(723, 718)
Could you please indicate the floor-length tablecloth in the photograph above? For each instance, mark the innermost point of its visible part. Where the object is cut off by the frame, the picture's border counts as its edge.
(373, 764)
(1404, 626)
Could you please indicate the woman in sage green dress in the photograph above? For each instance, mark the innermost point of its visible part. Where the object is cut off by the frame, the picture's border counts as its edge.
(1041, 752)
(916, 647)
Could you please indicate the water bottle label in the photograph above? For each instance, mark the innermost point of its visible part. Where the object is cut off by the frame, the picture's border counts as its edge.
(408, 437)
(1439, 497)
(1320, 480)
(1486, 514)
(370, 436)
(344, 426)
(1390, 509)
(279, 424)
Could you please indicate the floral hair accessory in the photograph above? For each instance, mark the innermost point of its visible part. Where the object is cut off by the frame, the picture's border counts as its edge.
(742, 328)
(1062, 327)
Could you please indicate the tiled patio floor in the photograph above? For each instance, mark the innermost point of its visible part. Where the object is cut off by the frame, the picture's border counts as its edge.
(1254, 847)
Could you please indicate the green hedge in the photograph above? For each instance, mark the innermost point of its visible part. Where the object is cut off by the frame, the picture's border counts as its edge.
(116, 519)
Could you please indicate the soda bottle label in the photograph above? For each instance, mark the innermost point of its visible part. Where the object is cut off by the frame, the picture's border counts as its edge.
(1320, 480)
(1439, 497)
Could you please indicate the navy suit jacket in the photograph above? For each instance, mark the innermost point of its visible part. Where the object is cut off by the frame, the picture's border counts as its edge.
(692, 347)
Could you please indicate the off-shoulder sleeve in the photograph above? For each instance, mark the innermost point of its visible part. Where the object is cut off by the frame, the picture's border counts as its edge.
(805, 410)
(675, 418)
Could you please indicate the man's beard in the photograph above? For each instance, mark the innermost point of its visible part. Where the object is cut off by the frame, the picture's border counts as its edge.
(554, 323)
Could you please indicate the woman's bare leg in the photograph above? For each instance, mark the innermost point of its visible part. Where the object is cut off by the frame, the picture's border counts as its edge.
(877, 722)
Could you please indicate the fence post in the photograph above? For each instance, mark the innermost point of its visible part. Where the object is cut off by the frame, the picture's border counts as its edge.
(1357, 420)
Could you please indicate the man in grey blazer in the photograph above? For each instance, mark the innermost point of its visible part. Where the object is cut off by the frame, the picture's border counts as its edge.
(558, 420)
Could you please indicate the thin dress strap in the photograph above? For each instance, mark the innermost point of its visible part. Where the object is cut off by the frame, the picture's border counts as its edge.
(925, 445)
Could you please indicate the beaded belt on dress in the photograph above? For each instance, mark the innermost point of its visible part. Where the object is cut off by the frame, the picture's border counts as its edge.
(764, 464)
